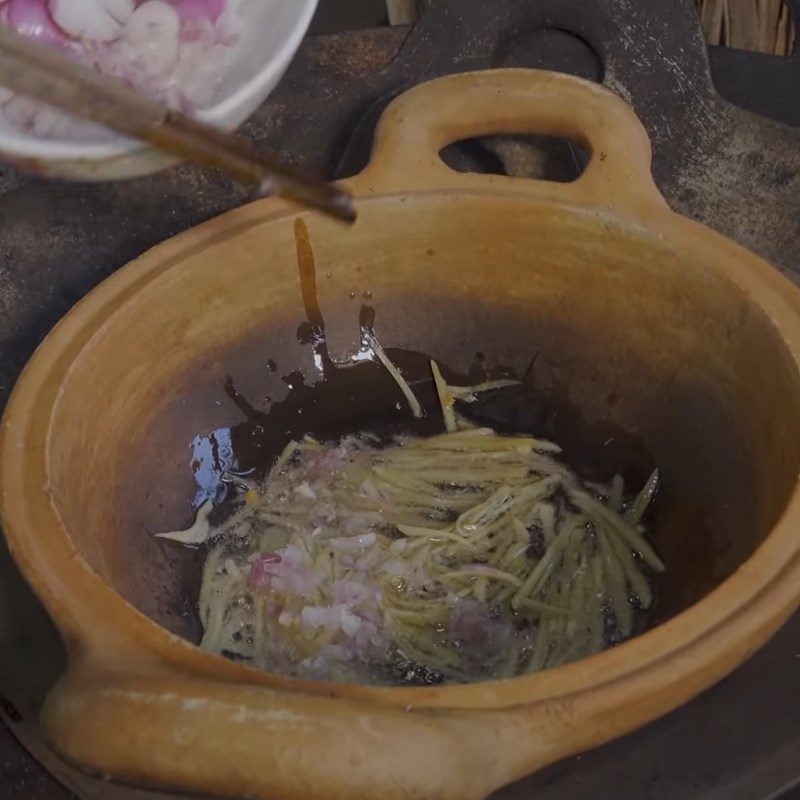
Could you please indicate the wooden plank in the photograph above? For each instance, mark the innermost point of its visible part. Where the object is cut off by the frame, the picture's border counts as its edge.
(781, 34)
(743, 24)
(725, 33)
(768, 12)
(763, 26)
(711, 15)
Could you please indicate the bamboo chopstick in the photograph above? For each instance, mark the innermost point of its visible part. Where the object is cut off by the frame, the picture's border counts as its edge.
(44, 74)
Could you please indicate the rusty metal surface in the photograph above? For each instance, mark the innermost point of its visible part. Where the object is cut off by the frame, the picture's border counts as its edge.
(713, 160)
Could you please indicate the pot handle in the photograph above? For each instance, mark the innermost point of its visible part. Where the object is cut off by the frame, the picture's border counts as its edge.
(418, 124)
(231, 740)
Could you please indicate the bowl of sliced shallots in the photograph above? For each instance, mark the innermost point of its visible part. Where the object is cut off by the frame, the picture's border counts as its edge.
(216, 60)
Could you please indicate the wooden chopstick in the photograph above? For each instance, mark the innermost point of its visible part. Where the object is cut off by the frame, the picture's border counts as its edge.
(42, 73)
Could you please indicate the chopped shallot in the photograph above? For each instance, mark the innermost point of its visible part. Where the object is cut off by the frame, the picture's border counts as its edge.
(98, 20)
(172, 50)
(467, 555)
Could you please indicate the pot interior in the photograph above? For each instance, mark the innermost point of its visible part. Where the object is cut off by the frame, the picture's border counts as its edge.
(636, 356)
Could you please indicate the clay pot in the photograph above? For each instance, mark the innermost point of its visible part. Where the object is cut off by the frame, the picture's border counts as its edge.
(648, 327)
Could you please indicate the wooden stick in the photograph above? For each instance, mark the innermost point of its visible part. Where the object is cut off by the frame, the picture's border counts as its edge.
(44, 74)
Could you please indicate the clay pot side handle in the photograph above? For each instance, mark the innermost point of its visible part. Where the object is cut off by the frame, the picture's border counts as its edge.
(421, 122)
(229, 740)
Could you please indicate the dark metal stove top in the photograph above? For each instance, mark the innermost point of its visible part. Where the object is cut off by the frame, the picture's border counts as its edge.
(713, 160)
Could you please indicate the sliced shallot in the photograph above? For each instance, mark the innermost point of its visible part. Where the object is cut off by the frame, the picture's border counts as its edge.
(32, 18)
(98, 20)
(153, 30)
(199, 9)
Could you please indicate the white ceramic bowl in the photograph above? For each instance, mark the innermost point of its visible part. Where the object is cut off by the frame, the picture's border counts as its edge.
(271, 34)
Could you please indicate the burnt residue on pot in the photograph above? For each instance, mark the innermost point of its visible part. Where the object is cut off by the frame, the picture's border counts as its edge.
(339, 398)
(363, 397)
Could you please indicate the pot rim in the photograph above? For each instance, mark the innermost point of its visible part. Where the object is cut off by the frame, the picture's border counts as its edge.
(761, 593)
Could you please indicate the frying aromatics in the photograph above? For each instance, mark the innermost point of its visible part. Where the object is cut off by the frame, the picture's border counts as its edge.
(464, 556)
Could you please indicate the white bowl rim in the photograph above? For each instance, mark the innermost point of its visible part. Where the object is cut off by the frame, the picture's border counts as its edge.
(23, 146)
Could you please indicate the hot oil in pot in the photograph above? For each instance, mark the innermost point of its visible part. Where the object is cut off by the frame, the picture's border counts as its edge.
(384, 549)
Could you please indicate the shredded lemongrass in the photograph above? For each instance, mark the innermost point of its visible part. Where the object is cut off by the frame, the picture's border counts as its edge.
(411, 398)
(461, 556)
(643, 500)
(469, 394)
(445, 399)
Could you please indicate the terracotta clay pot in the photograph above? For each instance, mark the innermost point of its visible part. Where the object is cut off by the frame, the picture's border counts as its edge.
(647, 326)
